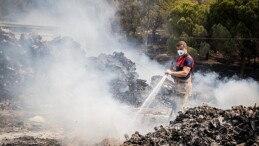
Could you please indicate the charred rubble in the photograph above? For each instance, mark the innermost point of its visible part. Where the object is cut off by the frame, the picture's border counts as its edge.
(9, 70)
(205, 125)
(20, 58)
(125, 86)
(165, 95)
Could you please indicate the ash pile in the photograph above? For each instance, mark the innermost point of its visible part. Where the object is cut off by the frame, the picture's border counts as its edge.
(19, 58)
(125, 84)
(22, 59)
(205, 125)
(165, 94)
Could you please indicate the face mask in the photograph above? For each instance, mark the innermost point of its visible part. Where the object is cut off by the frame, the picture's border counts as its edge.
(180, 52)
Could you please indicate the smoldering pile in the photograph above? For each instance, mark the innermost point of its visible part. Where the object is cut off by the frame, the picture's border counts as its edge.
(21, 58)
(125, 86)
(205, 125)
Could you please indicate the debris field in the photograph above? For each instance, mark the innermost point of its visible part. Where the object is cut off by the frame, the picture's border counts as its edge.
(205, 125)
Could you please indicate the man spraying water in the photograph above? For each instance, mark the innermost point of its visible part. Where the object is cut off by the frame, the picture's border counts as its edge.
(181, 72)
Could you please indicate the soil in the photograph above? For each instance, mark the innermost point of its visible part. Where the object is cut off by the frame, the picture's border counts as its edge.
(19, 128)
(23, 128)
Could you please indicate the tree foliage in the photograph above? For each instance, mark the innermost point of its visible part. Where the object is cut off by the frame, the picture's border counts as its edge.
(228, 26)
(223, 41)
(140, 17)
(187, 20)
(237, 22)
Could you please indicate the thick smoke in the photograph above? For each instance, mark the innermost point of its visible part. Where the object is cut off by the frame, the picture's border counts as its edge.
(70, 95)
(88, 22)
(92, 24)
(63, 89)
(224, 92)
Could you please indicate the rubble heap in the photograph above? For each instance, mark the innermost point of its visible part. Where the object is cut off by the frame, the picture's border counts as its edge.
(9, 72)
(165, 94)
(205, 125)
(21, 60)
(124, 85)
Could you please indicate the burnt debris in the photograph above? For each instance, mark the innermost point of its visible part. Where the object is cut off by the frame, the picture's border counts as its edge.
(125, 85)
(23, 59)
(19, 58)
(205, 125)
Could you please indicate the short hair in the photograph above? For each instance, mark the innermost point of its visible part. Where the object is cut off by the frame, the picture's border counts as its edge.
(182, 43)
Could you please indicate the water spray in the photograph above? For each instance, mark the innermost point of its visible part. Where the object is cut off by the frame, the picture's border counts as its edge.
(150, 97)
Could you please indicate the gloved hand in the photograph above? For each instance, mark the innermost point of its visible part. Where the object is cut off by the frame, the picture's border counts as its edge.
(168, 72)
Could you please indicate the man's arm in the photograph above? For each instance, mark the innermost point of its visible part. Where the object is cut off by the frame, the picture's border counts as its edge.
(183, 73)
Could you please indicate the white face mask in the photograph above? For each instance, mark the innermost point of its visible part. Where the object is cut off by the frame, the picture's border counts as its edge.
(180, 52)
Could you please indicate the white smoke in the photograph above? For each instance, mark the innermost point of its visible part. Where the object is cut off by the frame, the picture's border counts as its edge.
(89, 23)
(78, 99)
(237, 92)
(224, 93)
(67, 93)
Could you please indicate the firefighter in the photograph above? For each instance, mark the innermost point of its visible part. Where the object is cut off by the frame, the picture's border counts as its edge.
(181, 72)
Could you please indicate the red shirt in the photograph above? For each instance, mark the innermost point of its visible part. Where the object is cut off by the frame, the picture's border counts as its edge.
(182, 61)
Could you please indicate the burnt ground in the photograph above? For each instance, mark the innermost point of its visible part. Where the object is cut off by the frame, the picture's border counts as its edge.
(18, 128)
(23, 128)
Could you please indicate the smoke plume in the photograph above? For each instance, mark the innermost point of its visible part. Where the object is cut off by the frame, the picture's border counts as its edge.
(224, 92)
(69, 94)
(61, 87)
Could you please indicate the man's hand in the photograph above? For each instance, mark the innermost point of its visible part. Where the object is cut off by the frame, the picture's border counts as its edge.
(168, 72)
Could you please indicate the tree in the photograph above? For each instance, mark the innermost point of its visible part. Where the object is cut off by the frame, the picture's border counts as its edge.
(187, 21)
(222, 42)
(240, 21)
(151, 18)
(204, 50)
(129, 13)
(140, 18)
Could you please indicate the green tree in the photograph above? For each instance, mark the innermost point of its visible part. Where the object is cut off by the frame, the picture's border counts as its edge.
(151, 18)
(240, 24)
(129, 13)
(140, 18)
(222, 42)
(187, 21)
(193, 52)
(204, 49)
